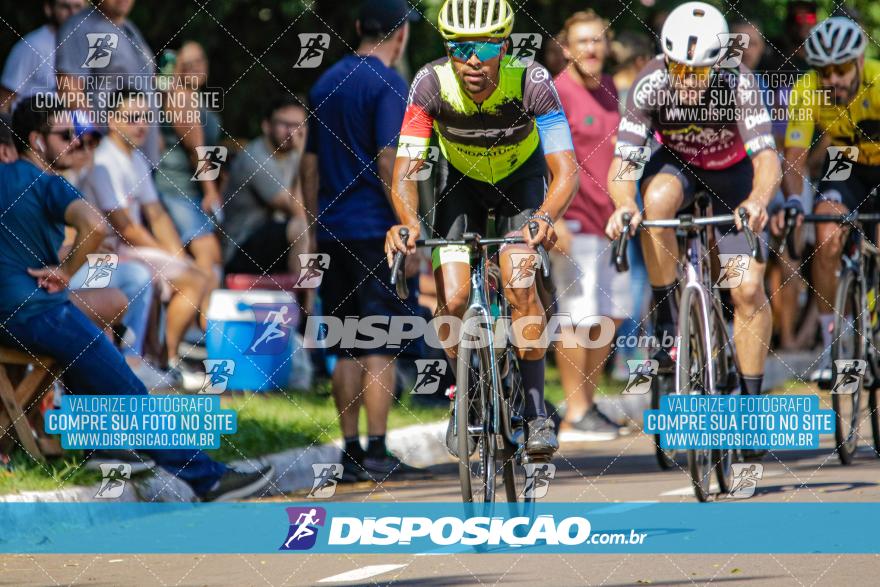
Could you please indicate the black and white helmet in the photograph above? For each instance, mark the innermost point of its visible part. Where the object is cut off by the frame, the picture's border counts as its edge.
(834, 40)
(692, 34)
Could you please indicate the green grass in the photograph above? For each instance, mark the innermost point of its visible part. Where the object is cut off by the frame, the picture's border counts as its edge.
(26, 475)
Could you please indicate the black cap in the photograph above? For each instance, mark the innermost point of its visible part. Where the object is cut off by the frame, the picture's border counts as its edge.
(385, 16)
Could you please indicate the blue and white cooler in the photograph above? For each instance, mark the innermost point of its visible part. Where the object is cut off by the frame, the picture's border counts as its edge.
(255, 330)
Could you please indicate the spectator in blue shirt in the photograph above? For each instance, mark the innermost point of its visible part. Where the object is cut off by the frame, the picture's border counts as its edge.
(346, 171)
(36, 314)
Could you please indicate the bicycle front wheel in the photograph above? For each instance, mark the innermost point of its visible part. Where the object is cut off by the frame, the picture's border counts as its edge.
(476, 454)
(693, 379)
(848, 345)
(660, 386)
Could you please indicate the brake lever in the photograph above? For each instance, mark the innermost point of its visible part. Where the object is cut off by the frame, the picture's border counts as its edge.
(398, 279)
(621, 262)
(545, 258)
(751, 238)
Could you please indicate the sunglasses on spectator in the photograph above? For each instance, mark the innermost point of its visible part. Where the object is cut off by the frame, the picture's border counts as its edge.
(484, 50)
(67, 135)
(682, 70)
(840, 69)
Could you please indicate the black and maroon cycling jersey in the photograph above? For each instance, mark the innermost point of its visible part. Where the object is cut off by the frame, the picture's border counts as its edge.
(728, 122)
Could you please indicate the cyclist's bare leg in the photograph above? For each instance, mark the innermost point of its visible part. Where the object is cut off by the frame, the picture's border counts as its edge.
(453, 291)
(826, 263)
(663, 195)
(524, 305)
(752, 321)
(784, 285)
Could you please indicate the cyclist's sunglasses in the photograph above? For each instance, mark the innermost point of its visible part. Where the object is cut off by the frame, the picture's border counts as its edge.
(682, 70)
(840, 69)
(484, 50)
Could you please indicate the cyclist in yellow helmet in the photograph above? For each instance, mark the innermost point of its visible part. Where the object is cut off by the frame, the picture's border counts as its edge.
(500, 127)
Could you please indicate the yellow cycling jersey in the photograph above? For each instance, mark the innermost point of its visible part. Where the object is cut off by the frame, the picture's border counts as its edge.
(856, 123)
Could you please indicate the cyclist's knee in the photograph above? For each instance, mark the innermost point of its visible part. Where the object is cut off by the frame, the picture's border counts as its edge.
(454, 302)
(750, 292)
(662, 198)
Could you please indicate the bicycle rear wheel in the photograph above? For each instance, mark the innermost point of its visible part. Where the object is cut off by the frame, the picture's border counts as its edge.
(473, 384)
(850, 328)
(693, 377)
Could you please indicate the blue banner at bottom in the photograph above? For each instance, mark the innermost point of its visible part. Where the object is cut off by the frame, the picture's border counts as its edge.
(400, 528)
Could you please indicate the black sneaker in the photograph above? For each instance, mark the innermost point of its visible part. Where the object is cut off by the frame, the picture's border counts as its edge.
(353, 470)
(235, 484)
(593, 427)
(139, 463)
(540, 438)
(388, 466)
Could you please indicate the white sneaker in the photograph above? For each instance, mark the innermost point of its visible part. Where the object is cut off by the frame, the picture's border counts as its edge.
(190, 379)
(153, 378)
(822, 372)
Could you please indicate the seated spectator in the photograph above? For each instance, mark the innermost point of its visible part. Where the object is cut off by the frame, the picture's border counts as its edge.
(190, 203)
(30, 65)
(264, 217)
(36, 313)
(121, 186)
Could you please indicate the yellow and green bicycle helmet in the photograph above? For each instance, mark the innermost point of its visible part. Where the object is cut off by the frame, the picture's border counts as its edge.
(475, 18)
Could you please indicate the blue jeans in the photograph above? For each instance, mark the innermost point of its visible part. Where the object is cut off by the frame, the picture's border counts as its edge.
(92, 365)
(136, 281)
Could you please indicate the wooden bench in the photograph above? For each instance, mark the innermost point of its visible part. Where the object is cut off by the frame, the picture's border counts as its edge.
(20, 402)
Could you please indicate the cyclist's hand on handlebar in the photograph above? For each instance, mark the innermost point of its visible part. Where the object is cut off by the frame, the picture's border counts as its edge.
(545, 235)
(615, 224)
(757, 215)
(778, 221)
(394, 244)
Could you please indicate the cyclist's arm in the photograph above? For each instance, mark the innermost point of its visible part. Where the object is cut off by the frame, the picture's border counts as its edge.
(563, 183)
(385, 163)
(768, 174)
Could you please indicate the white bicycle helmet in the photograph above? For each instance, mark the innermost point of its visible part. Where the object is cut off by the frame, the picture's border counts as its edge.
(834, 40)
(691, 34)
(475, 18)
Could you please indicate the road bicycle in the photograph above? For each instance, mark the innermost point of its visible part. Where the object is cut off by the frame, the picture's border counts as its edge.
(705, 360)
(856, 329)
(489, 429)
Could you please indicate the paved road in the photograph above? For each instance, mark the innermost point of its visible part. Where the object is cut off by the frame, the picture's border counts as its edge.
(622, 470)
